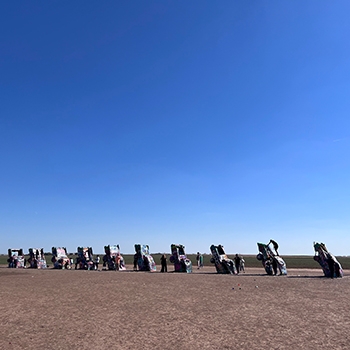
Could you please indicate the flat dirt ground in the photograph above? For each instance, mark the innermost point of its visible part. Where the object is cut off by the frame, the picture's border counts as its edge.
(62, 309)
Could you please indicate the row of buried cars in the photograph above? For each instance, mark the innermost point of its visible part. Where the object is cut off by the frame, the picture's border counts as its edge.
(272, 262)
(85, 260)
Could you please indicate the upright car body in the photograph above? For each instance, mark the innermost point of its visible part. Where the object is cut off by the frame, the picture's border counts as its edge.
(16, 258)
(113, 260)
(60, 259)
(330, 265)
(37, 258)
(145, 261)
(85, 259)
(270, 260)
(222, 263)
(178, 257)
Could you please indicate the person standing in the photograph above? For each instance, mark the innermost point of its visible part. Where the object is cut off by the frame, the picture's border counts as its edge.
(199, 259)
(97, 261)
(77, 262)
(135, 262)
(242, 265)
(163, 262)
(237, 260)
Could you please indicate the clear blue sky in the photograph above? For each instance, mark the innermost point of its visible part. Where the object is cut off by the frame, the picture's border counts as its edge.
(159, 122)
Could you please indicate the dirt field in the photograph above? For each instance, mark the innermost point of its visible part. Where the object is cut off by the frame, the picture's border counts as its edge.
(61, 309)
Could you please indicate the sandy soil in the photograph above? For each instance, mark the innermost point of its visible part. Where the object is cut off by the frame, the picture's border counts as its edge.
(61, 309)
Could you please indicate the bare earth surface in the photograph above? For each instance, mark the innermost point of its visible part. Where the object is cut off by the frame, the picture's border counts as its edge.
(61, 309)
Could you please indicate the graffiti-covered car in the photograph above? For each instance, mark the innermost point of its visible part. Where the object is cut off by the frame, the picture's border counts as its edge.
(330, 265)
(36, 258)
(144, 259)
(113, 260)
(85, 259)
(16, 258)
(178, 257)
(60, 259)
(270, 260)
(222, 263)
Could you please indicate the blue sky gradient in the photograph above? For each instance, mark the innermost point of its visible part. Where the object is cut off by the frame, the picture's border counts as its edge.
(159, 122)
